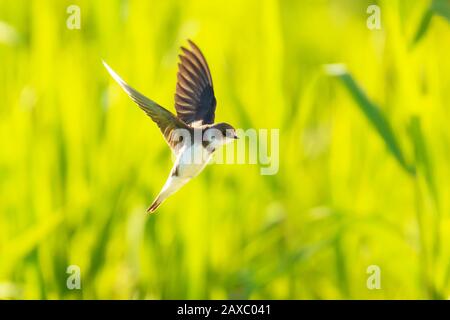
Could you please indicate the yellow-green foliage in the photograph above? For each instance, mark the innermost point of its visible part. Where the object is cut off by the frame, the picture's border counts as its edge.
(364, 162)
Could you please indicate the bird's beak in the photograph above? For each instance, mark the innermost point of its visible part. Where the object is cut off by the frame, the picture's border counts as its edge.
(235, 137)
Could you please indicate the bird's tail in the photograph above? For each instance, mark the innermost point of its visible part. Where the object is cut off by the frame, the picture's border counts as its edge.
(172, 185)
(157, 202)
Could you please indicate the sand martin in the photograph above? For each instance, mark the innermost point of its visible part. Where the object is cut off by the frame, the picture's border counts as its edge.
(191, 134)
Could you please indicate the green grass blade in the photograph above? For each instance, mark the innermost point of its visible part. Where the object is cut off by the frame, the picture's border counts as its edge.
(423, 26)
(441, 8)
(425, 166)
(438, 7)
(421, 154)
(373, 113)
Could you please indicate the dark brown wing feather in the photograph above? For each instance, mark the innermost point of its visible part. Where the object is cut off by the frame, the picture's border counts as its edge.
(194, 98)
(166, 121)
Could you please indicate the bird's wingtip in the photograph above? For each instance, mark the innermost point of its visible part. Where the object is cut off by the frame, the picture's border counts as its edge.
(106, 65)
(113, 74)
(191, 43)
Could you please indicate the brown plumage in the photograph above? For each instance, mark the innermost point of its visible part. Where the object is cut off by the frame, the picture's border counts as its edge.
(166, 120)
(194, 98)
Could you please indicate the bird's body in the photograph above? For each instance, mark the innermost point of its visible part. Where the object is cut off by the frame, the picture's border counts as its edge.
(192, 134)
(184, 169)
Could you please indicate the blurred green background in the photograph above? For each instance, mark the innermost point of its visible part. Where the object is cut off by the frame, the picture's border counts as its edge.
(363, 178)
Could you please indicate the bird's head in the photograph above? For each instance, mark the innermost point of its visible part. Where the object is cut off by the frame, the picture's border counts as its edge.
(221, 133)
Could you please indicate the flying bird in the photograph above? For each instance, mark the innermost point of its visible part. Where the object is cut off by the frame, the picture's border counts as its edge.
(191, 133)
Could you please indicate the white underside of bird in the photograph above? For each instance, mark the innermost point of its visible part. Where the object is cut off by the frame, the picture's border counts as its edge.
(188, 164)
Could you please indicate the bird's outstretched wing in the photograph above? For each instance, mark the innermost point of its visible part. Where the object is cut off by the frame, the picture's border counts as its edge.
(194, 98)
(166, 121)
